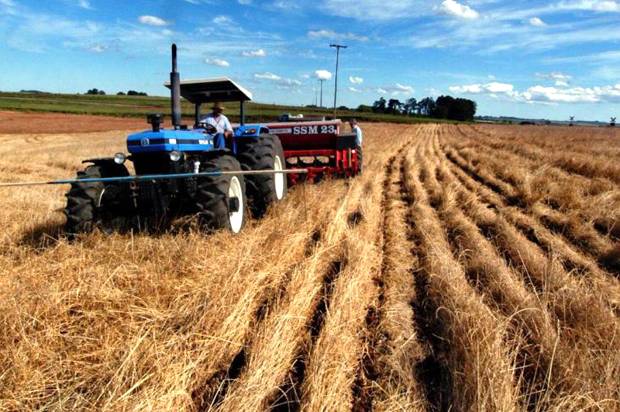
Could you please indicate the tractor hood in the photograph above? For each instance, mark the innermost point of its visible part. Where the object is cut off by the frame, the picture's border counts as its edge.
(168, 141)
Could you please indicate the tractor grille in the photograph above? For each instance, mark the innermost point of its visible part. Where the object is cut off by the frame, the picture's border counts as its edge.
(156, 163)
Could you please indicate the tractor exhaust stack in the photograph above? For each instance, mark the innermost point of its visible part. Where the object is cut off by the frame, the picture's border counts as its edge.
(175, 91)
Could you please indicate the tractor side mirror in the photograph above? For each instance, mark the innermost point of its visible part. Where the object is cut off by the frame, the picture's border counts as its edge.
(155, 120)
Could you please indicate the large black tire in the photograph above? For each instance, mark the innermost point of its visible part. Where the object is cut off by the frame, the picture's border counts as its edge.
(264, 153)
(213, 197)
(93, 205)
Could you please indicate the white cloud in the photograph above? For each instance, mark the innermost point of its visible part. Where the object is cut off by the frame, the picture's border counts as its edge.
(560, 79)
(97, 48)
(222, 20)
(330, 34)
(356, 80)
(217, 62)
(396, 90)
(323, 74)
(488, 88)
(503, 30)
(290, 82)
(281, 82)
(537, 22)
(354, 90)
(152, 21)
(285, 5)
(454, 8)
(377, 10)
(85, 4)
(611, 56)
(544, 94)
(592, 5)
(401, 89)
(267, 76)
(254, 53)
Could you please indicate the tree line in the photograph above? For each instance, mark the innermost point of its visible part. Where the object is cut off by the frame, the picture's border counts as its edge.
(98, 92)
(444, 107)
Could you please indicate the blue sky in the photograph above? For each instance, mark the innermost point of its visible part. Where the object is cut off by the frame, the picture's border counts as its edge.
(547, 59)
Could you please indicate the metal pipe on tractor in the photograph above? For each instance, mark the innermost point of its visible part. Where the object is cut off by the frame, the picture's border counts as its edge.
(175, 91)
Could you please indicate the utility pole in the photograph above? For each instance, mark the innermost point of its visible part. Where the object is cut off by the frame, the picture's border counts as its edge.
(315, 92)
(337, 47)
(321, 81)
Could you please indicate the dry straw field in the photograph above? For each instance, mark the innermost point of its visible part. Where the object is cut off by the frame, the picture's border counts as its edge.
(470, 268)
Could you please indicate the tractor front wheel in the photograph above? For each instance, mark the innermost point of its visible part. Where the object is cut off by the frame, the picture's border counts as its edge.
(221, 200)
(93, 205)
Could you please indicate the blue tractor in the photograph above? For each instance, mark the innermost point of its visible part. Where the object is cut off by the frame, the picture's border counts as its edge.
(229, 180)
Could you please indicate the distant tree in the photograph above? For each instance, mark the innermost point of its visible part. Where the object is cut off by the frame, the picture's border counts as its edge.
(442, 107)
(410, 106)
(364, 108)
(426, 106)
(379, 106)
(394, 106)
(135, 93)
(343, 108)
(121, 94)
(447, 107)
(462, 110)
(93, 91)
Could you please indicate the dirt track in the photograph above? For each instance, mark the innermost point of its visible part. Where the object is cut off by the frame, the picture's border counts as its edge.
(469, 268)
(50, 123)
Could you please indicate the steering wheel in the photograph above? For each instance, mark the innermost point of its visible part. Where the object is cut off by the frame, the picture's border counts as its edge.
(209, 128)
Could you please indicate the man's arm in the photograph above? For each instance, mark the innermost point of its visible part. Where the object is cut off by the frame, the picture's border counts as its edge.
(228, 130)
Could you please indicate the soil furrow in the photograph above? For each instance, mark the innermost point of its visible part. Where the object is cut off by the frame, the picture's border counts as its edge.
(574, 305)
(289, 394)
(460, 374)
(532, 332)
(574, 163)
(387, 379)
(281, 341)
(536, 231)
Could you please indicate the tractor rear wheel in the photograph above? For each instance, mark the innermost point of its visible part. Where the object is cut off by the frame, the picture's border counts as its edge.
(93, 205)
(221, 200)
(264, 153)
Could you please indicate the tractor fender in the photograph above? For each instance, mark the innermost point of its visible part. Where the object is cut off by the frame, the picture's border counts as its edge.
(250, 131)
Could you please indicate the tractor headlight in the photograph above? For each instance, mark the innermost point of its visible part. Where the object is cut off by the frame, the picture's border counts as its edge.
(120, 158)
(175, 156)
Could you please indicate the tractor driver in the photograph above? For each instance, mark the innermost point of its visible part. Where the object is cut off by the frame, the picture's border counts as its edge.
(222, 125)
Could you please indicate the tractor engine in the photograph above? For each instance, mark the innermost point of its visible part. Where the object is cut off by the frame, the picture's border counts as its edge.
(162, 152)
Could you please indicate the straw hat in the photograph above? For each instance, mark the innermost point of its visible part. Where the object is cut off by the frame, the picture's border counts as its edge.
(218, 106)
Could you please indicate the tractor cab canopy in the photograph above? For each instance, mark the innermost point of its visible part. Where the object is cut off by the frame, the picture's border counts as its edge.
(220, 89)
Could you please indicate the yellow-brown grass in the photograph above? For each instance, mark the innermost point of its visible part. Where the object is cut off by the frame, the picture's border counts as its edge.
(469, 268)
